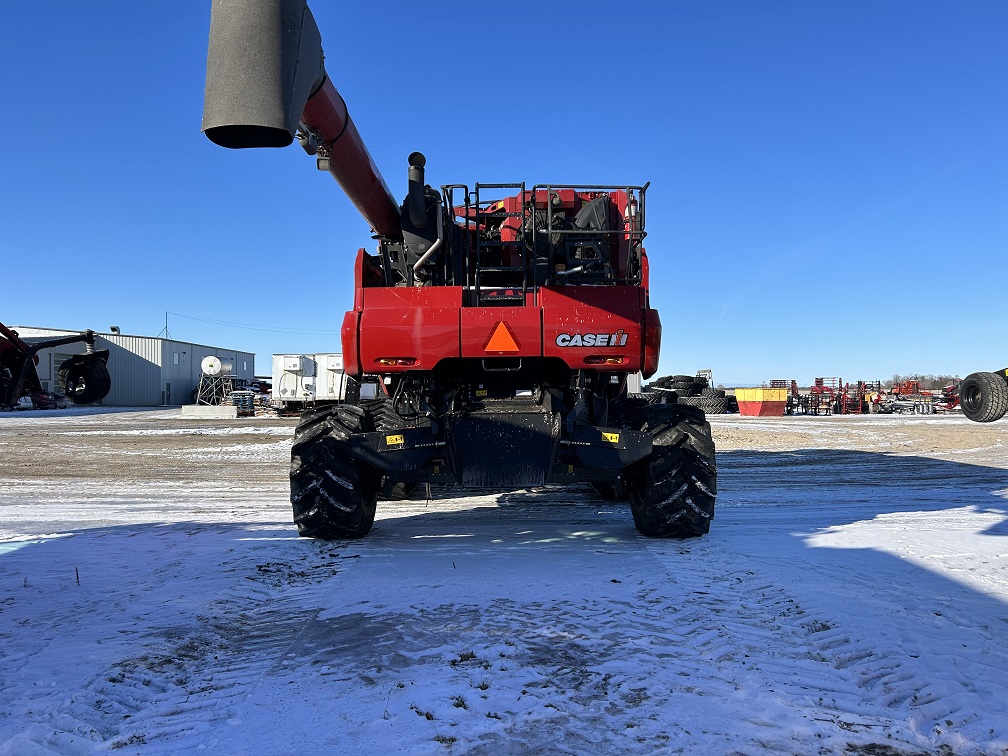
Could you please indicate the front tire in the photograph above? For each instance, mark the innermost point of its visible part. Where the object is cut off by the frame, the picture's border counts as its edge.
(983, 397)
(673, 490)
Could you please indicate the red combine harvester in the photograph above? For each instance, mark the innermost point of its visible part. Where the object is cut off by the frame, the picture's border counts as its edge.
(497, 324)
(83, 378)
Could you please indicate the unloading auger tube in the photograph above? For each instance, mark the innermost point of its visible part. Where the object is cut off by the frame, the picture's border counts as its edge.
(497, 333)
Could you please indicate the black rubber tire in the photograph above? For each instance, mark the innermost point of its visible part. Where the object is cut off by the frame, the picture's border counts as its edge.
(672, 491)
(665, 381)
(984, 397)
(85, 382)
(714, 406)
(332, 495)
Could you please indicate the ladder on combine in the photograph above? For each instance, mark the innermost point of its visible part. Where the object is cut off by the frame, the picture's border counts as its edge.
(496, 273)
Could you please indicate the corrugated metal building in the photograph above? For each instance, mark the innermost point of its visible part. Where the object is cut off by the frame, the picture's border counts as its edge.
(146, 371)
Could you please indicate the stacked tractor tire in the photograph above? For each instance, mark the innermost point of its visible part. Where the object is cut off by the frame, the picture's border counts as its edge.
(692, 391)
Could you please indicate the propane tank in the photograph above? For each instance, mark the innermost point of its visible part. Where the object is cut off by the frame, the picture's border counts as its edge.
(214, 366)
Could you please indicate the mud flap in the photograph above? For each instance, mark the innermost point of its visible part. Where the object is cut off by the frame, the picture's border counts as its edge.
(511, 448)
(505, 449)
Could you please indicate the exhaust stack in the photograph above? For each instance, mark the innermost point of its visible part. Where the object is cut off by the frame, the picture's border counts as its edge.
(415, 199)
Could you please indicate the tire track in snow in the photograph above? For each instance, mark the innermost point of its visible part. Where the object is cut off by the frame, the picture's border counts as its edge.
(178, 690)
(834, 670)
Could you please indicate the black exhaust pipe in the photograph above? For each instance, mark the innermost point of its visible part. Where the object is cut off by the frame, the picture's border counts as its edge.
(415, 198)
(263, 63)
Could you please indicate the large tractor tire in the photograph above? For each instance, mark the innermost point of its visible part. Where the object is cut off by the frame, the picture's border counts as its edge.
(672, 491)
(332, 494)
(984, 397)
(714, 406)
(85, 381)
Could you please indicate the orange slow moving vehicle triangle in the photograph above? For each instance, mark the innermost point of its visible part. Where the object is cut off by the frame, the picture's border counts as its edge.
(501, 339)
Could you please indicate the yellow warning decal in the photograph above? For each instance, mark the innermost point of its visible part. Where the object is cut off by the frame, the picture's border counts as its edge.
(393, 440)
(611, 437)
(501, 339)
(481, 392)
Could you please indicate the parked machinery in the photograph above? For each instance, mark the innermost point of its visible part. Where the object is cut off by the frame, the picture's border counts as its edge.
(83, 378)
(500, 321)
(907, 397)
(984, 396)
(822, 395)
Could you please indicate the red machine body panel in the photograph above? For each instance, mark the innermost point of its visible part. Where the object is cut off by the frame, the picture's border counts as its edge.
(652, 342)
(349, 338)
(501, 332)
(400, 329)
(593, 326)
(409, 328)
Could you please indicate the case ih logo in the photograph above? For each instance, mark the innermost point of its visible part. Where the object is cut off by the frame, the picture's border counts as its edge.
(617, 339)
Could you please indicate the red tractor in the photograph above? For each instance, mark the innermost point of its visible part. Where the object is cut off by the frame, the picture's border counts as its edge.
(494, 326)
(83, 378)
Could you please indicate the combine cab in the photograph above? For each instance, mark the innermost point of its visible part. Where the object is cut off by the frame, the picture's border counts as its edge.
(499, 322)
(83, 378)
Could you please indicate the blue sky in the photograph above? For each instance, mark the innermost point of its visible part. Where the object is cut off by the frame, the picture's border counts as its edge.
(829, 181)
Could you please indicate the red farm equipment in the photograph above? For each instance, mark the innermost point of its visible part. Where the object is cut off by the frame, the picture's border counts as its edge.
(83, 378)
(822, 395)
(495, 325)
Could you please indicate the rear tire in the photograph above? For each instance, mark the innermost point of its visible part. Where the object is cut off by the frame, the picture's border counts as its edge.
(672, 491)
(984, 397)
(333, 495)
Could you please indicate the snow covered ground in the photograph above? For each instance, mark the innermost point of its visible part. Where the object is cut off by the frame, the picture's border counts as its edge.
(852, 596)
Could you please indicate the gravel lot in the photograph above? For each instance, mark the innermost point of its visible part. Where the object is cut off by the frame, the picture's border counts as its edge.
(161, 445)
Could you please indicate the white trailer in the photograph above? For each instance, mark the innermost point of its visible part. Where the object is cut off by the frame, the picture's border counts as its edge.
(302, 380)
(293, 380)
(331, 381)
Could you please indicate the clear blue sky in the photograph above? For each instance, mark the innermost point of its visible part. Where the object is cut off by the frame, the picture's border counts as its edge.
(829, 180)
